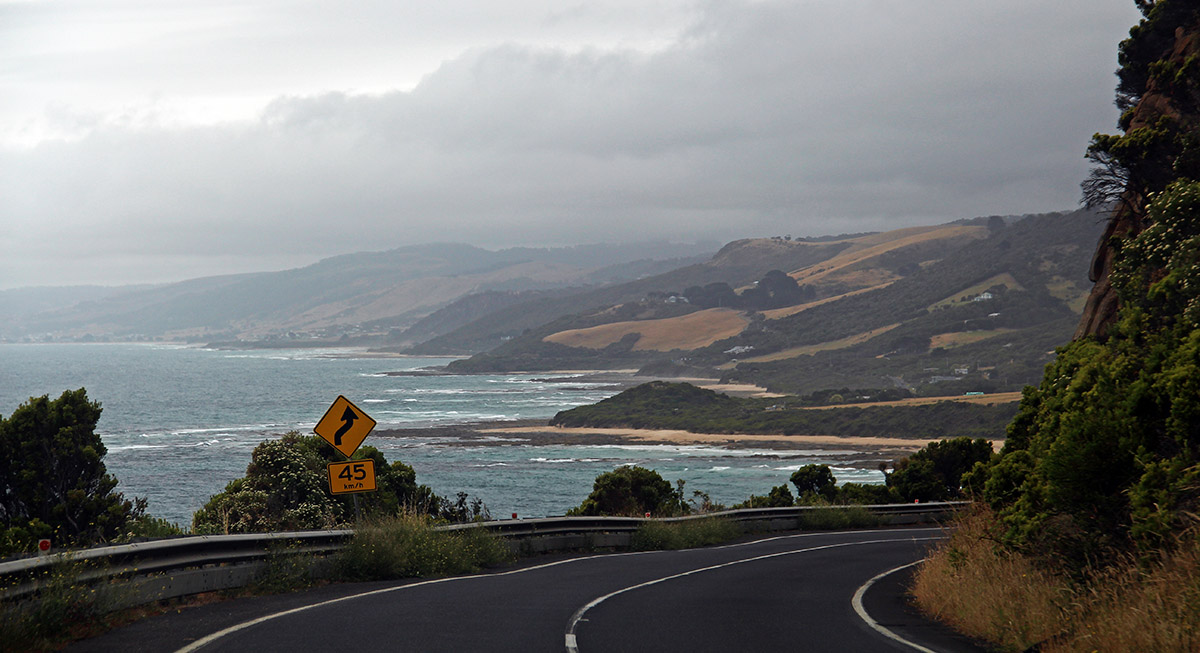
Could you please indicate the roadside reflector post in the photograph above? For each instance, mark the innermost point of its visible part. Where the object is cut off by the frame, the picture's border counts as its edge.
(43, 547)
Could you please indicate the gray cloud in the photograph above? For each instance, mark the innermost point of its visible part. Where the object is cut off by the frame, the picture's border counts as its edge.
(761, 118)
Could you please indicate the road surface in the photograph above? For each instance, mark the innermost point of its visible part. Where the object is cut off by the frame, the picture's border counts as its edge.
(785, 593)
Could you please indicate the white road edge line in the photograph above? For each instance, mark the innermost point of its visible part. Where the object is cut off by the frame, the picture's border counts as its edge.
(571, 642)
(212, 637)
(862, 612)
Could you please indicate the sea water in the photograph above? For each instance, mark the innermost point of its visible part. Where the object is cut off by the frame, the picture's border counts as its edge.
(180, 422)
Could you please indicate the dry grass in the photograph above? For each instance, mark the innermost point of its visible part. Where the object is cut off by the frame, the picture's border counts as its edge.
(1141, 610)
(776, 313)
(1003, 279)
(986, 400)
(976, 587)
(809, 350)
(691, 331)
(952, 340)
(980, 589)
(1066, 290)
(867, 247)
(867, 277)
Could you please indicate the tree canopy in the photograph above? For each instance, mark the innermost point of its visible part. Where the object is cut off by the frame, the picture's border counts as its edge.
(632, 491)
(53, 482)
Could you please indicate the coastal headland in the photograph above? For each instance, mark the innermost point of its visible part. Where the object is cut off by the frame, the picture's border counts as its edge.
(868, 450)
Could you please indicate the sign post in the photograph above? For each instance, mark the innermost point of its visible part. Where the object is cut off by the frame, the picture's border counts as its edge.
(345, 426)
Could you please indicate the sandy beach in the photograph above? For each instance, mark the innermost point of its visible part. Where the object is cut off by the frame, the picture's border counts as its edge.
(729, 440)
(539, 432)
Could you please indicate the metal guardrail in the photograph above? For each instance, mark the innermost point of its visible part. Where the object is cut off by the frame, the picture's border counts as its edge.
(169, 568)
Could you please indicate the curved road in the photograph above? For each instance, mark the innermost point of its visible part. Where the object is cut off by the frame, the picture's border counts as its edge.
(792, 592)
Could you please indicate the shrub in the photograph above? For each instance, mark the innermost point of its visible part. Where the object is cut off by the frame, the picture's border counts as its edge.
(408, 545)
(687, 534)
(632, 491)
(287, 569)
(779, 497)
(823, 518)
(814, 481)
(988, 591)
(935, 473)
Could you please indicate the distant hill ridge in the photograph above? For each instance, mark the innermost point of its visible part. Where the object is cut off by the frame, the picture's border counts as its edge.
(349, 296)
(971, 304)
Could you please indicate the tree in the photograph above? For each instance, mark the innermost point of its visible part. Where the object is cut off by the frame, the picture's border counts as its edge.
(631, 490)
(53, 482)
(779, 497)
(935, 472)
(815, 481)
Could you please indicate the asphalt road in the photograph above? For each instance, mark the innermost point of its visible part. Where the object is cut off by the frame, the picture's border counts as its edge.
(787, 593)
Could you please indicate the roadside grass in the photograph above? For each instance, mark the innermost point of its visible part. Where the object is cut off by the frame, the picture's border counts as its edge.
(65, 609)
(287, 569)
(1153, 607)
(408, 546)
(983, 590)
(687, 534)
(977, 587)
(824, 518)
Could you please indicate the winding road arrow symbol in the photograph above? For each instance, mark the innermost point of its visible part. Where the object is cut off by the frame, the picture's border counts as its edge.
(344, 426)
(348, 417)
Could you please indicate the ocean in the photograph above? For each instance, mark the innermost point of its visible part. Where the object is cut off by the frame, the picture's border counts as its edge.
(179, 423)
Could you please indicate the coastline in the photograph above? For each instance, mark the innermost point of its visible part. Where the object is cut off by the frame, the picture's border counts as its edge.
(725, 440)
(540, 433)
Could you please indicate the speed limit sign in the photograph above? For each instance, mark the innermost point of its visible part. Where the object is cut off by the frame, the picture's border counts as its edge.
(352, 476)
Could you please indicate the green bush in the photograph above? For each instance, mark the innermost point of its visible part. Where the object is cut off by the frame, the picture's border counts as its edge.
(632, 491)
(935, 472)
(779, 497)
(408, 546)
(147, 527)
(863, 493)
(687, 534)
(815, 481)
(823, 518)
(1102, 457)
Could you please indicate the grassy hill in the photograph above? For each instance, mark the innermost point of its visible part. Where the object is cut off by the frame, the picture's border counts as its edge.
(972, 305)
(737, 264)
(680, 406)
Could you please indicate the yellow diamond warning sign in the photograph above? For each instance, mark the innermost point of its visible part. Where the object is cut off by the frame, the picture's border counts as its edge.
(344, 426)
(352, 476)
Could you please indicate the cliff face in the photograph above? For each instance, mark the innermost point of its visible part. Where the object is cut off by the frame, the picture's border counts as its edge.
(1161, 134)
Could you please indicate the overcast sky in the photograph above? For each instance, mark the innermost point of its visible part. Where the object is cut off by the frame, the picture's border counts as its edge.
(152, 140)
